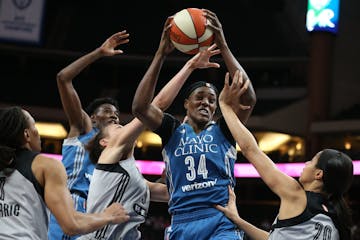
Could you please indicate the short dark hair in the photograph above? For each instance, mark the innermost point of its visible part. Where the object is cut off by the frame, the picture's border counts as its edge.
(199, 84)
(91, 108)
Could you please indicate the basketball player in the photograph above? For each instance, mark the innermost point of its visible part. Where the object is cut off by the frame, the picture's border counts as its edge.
(199, 154)
(116, 178)
(83, 126)
(31, 183)
(314, 207)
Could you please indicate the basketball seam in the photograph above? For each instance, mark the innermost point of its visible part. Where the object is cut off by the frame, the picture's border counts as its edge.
(192, 20)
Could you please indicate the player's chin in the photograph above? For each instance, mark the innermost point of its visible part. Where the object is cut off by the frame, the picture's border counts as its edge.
(204, 119)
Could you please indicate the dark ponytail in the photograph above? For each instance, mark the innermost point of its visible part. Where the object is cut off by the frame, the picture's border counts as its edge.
(337, 178)
(12, 126)
(343, 214)
(7, 156)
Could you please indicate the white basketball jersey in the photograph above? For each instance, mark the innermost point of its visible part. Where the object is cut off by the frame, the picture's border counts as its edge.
(123, 183)
(313, 223)
(23, 213)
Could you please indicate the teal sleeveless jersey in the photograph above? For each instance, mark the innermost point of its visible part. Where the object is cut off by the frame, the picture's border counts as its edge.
(199, 166)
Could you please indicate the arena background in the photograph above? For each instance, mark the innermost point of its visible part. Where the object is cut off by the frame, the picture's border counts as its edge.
(307, 84)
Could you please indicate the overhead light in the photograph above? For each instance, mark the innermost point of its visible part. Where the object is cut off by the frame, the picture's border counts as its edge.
(298, 146)
(271, 141)
(139, 144)
(347, 145)
(149, 138)
(51, 130)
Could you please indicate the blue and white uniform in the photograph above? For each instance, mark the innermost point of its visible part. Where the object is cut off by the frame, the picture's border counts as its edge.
(79, 170)
(199, 168)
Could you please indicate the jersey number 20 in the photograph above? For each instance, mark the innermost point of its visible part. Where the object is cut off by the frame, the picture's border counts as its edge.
(326, 230)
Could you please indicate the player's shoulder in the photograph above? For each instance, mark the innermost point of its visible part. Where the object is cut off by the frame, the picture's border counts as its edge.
(48, 162)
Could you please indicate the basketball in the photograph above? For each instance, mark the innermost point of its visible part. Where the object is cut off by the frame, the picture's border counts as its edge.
(188, 32)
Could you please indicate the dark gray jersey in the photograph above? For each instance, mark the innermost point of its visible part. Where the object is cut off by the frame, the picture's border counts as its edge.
(315, 223)
(23, 213)
(123, 183)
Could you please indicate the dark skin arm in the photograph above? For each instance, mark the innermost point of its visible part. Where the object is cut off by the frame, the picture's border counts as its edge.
(79, 120)
(248, 98)
(142, 108)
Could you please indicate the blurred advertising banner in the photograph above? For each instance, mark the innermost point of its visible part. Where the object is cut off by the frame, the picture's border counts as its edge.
(21, 20)
(323, 15)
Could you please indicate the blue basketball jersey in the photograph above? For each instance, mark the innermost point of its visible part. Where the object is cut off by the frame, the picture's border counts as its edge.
(79, 170)
(78, 166)
(199, 166)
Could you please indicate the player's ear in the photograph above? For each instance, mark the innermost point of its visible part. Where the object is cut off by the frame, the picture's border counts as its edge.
(93, 118)
(186, 104)
(319, 174)
(26, 134)
(103, 142)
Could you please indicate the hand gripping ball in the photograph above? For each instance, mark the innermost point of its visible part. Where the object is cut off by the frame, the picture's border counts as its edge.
(188, 32)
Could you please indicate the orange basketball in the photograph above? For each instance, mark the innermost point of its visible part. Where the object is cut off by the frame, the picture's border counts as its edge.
(188, 32)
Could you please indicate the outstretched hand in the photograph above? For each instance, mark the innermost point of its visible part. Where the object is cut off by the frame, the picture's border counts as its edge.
(231, 93)
(230, 210)
(202, 58)
(108, 47)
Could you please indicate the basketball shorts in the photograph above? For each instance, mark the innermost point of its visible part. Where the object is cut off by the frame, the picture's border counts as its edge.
(207, 224)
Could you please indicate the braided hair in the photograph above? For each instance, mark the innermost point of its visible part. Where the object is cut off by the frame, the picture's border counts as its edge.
(12, 125)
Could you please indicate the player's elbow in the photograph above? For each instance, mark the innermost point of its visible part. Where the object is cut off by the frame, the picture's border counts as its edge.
(161, 103)
(138, 109)
(249, 98)
(248, 150)
(252, 99)
(61, 77)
